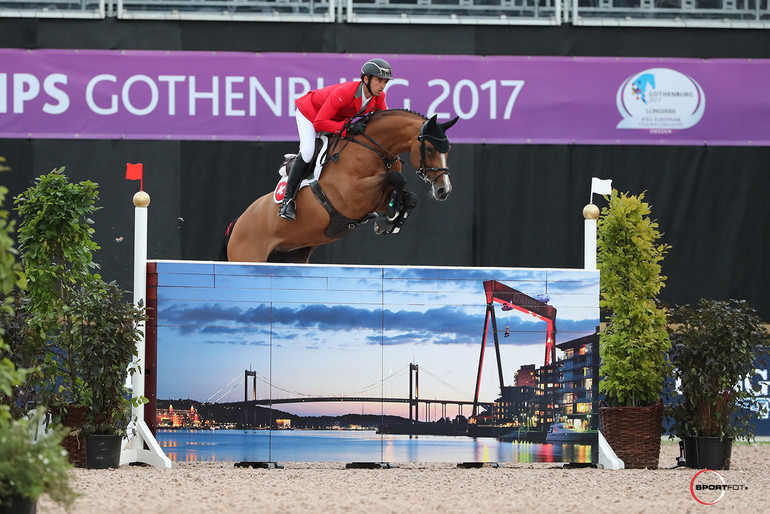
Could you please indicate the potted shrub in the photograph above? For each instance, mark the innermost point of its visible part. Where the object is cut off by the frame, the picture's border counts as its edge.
(86, 329)
(29, 465)
(57, 254)
(107, 332)
(715, 346)
(14, 323)
(17, 334)
(633, 346)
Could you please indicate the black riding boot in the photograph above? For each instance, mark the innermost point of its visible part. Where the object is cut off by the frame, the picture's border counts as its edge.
(288, 207)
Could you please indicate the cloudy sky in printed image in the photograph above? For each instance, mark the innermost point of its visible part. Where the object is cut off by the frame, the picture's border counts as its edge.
(353, 331)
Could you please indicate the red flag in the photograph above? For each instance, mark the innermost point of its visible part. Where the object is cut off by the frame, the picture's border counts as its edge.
(134, 172)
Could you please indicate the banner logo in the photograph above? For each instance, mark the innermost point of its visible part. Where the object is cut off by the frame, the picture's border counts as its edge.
(660, 100)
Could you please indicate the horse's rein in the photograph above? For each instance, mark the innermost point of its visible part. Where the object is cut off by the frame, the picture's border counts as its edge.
(388, 162)
(422, 172)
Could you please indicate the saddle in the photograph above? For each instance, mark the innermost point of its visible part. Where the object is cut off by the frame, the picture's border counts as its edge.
(318, 160)
(339, 225)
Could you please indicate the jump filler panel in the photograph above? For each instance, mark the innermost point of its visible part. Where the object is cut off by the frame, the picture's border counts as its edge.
(364, 358)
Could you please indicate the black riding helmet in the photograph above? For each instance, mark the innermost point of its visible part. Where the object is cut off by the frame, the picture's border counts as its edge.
(375, 68)
(378, 68)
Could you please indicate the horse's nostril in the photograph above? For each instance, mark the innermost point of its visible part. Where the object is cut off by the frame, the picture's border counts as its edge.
(441, 190)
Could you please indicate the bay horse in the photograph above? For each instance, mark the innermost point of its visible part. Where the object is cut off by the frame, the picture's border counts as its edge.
(361, 180)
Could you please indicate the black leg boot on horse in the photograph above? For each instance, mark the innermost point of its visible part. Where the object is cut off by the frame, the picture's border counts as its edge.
(399, 206)
(288, 208)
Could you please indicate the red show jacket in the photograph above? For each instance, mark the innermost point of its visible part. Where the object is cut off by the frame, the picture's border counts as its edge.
(329, 107)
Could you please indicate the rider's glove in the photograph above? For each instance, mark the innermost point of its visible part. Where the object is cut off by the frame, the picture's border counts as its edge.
(356, 127)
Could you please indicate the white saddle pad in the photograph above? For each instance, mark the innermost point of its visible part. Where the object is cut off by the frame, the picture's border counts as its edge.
(280, 188)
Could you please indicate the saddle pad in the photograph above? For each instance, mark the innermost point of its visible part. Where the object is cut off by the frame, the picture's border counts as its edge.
(280, 188)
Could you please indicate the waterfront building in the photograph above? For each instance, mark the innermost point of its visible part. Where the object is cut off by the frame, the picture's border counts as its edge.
(546, 394)
(171, 418)
(525, 376)
(515, 407)
(579, 382)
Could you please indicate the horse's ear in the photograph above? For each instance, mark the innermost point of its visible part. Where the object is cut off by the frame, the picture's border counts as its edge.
(431, 122)
(446, 126)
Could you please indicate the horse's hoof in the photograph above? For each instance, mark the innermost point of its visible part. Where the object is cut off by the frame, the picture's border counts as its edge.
(383, 226)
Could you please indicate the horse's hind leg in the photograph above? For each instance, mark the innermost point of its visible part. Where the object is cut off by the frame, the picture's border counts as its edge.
(226, 241)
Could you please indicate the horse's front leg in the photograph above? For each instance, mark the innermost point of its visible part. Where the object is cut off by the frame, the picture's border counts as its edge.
(407, 201)
(394, 204)
(398, 203)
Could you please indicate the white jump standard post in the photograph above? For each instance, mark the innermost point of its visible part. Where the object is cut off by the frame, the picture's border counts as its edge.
(591, 214)
(607, 457)
(141, 435)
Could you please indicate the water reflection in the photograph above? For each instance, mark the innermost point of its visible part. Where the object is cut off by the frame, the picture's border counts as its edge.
(533, 452)
(359, 445)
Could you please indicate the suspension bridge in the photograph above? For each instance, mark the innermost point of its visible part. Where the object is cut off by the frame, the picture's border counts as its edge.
(284, 395)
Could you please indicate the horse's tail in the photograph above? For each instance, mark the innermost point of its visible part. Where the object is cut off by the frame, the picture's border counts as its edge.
(226, 241)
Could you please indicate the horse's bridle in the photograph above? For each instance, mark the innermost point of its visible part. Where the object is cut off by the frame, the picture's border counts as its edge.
(422, 172)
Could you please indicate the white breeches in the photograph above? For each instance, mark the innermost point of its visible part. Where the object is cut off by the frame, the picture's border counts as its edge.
(307, 136)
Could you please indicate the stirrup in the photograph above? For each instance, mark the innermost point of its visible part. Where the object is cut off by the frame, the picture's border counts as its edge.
(287, 210)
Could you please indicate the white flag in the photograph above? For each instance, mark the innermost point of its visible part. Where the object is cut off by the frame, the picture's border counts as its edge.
(602, 187)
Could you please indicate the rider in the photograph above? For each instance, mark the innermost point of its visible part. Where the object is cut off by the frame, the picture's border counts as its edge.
(326, 110)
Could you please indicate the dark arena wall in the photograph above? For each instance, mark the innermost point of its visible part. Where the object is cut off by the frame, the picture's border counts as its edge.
(512, 205)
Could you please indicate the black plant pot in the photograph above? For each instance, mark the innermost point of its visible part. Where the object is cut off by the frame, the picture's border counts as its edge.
(708, 452)
(18, 504)
(102, 451)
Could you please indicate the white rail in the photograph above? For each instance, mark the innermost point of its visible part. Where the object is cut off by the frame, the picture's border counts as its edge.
(631, 13)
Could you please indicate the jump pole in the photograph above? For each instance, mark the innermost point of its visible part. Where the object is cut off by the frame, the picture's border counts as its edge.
(134, 450)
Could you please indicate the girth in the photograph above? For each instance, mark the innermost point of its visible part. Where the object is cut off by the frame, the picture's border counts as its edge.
(339, 225)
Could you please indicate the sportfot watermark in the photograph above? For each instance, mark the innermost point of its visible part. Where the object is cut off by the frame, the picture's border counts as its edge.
(708, 487)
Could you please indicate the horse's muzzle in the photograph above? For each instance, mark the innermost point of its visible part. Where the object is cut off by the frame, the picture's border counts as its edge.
(442, 188)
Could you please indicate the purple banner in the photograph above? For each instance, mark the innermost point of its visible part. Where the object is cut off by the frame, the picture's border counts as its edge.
(106, 94)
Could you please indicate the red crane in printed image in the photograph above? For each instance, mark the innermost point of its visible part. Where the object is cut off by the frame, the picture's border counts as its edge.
(512, 299)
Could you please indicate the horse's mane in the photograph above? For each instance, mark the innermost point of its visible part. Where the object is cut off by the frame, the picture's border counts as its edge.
(395, 111)
(364, 120)
(375, 115)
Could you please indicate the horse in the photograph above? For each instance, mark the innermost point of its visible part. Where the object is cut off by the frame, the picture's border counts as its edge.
(361, 180)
